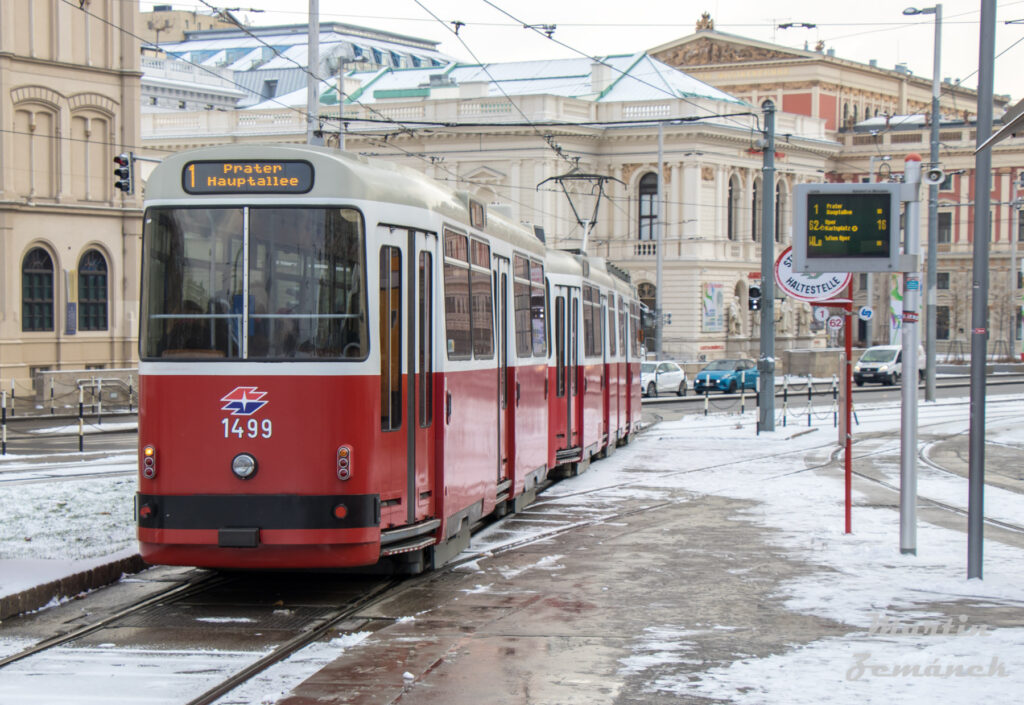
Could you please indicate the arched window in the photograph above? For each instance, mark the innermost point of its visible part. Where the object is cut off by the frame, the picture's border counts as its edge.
(648, 205)
(37, 291)
(730, 208)
(92, 291)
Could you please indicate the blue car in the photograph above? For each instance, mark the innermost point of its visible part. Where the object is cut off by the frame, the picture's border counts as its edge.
(726, 376)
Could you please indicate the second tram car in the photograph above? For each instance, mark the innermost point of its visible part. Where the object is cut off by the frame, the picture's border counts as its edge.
(343, 362)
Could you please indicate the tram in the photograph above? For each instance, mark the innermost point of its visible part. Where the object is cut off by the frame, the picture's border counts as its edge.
(343, 362)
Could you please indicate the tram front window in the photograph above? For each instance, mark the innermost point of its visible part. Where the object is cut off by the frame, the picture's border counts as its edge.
(306, 287)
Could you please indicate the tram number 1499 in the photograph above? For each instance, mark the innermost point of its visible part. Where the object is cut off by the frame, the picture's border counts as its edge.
(252, 428)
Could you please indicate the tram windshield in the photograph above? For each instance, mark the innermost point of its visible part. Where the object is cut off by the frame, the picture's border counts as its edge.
(253, 284)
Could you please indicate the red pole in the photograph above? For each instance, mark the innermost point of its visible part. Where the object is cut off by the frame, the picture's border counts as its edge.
(848, 410)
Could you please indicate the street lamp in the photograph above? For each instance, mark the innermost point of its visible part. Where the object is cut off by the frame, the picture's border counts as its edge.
(933, 206)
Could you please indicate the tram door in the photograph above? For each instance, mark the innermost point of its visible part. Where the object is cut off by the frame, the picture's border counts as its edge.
(501, 323)
(607, 397)
(424, 303)
(406, 305)
(567, 303)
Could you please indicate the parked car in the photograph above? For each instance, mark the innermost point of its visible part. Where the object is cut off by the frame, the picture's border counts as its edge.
(726, 376)
(662, 376)
(884, 364)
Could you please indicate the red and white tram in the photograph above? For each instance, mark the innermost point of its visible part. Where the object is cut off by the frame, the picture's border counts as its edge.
(344, 361)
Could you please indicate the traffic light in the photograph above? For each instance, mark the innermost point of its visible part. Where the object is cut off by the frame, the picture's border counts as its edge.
(123, 172)
(754, 298)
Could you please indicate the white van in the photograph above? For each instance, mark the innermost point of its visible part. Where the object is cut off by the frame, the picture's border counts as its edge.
(884, 364)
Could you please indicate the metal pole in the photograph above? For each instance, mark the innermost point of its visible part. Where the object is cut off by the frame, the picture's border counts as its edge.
(1012, 291)
(312, 80)
(659, 229)
(979, 294)
(870, 323)
(933, 219)
(847, 411)
(766, 359)
(911, 308)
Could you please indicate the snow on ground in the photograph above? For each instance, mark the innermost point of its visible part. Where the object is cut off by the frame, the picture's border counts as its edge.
(864, 580)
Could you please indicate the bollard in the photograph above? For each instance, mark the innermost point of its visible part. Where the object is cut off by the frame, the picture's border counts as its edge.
(52, 410)
(3, 424)
(743, 390)
(706, 401)
(785, 399)
(757, 396)
(12, 396)
(129, 397)
(810, 391)
(99, 406)
(81, 419)
(835, 403)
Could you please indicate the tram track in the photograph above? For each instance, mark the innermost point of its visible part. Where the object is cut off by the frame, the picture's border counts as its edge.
(111, 641)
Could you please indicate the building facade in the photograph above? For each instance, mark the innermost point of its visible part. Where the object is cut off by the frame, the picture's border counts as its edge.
(69, 102)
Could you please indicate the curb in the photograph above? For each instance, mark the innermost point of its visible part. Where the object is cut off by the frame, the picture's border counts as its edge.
(69, 586)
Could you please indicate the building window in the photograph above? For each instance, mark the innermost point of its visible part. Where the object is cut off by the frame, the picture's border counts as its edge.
(942, 280)
(269, 89)
(92, 291)
(945, 228)
(942, 322)
(37, 291)
(648, 205)
(1020, 226)
(862, 281)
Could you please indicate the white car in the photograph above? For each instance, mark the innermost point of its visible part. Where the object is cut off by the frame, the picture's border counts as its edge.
(884, 364)
(662, 376)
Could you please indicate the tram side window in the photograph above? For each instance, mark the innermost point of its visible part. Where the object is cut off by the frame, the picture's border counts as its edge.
(611, 326)
(390, 338)
(456, 296)
(538, 309)
(622, 326)
(560, 346)
(482, 297)
(521, 293)
(591, 321)
(192, 283)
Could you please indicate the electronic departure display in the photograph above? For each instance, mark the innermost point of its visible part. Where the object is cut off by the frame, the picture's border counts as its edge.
(846, 228)
(848, 225)
(248, 176)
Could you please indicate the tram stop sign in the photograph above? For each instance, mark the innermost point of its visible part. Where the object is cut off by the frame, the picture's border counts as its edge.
(846, 228)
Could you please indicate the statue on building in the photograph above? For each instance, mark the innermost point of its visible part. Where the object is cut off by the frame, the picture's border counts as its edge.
(735, 320)
(804, 317)
(786, 316)
(705, 21)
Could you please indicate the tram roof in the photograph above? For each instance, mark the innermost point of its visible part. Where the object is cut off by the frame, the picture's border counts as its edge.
(337, 176)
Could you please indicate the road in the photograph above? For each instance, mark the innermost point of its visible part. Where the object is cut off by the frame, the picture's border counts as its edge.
(670, 407)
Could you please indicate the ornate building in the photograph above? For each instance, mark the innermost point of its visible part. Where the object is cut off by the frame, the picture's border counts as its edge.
(69, 102)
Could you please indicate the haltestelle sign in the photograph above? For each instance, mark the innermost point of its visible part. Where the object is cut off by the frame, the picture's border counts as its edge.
(808, 287)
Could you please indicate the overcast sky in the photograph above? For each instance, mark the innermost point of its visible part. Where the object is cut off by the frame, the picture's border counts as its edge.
(859, 31)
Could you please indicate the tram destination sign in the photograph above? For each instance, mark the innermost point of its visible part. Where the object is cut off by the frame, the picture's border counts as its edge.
(846, 228)
(247, 176)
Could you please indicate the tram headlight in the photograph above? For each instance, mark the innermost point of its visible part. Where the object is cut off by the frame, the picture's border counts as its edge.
(244, 466)
(149, 462)
(344, 463)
